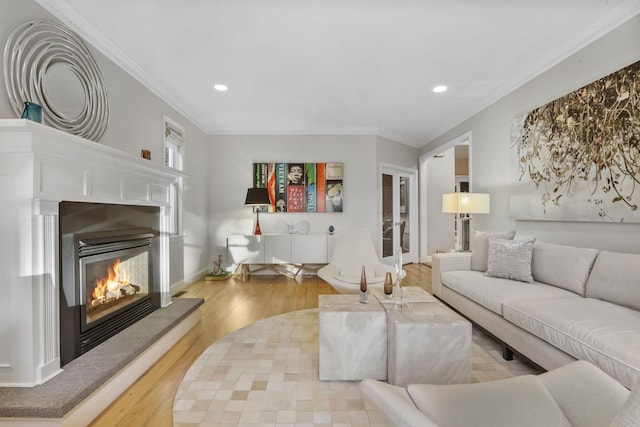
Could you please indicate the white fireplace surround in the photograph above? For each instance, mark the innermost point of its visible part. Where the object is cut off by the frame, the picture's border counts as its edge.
(39, 168)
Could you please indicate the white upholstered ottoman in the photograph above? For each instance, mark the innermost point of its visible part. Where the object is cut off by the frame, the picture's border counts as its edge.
(352, 338)
(428, 344)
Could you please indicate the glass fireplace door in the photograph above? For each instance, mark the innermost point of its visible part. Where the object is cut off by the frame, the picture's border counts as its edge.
(111, 282)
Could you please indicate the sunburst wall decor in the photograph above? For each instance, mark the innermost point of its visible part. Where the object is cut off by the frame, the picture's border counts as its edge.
(37, 50)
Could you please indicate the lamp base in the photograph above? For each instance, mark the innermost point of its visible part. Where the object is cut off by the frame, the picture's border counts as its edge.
(465, 233)
(257, 231)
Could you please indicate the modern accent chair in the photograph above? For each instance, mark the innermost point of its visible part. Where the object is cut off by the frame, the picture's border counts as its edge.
(575, 395)
(352, 250)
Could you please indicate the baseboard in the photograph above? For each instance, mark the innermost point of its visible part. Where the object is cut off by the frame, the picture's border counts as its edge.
(197, 276)
(177, 287)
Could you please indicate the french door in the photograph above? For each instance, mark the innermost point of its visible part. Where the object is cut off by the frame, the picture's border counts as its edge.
(399, 227)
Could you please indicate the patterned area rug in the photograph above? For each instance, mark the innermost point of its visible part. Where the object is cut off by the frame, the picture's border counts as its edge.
(267, 374)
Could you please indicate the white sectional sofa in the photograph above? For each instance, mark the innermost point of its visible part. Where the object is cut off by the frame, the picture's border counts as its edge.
(575, 395)
(581, 304)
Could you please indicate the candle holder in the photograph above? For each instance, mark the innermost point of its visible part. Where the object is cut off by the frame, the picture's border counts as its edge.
(398, 292)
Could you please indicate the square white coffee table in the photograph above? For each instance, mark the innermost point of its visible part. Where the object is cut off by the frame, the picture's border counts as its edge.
(352, 338)
(428, 343)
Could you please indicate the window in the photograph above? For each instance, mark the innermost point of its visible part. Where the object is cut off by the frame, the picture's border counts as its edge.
(173, 158)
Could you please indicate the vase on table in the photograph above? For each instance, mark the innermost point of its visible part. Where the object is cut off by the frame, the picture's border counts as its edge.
(388, 285)
(364, 294)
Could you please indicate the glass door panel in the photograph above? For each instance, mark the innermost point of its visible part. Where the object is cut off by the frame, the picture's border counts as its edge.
(387, 216)
(398, 209)
(404, 226)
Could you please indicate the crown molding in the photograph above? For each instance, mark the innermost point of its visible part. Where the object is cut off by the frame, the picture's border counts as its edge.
(365, 131)
(599, 28)
(315, 131)
(72, 19)
(66, 14)
(399, 139)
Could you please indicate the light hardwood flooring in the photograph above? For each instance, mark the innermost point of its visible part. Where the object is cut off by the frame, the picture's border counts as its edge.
(229, 305)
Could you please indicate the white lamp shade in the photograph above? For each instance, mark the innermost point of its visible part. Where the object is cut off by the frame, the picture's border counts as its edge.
(468, 203)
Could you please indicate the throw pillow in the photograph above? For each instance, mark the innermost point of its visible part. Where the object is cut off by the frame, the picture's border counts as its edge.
(510, 259)
(481, 247)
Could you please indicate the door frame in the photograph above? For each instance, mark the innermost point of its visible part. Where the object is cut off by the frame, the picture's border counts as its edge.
(464, 138)
(412, 173)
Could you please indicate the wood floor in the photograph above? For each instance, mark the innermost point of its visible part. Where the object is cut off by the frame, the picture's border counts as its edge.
(228, 306)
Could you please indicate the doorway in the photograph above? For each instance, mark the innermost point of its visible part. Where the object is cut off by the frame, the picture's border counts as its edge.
(443, 170)
(399, 209)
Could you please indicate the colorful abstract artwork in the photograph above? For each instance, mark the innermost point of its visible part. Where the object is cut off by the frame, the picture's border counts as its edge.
(301, 187)
(577, 158)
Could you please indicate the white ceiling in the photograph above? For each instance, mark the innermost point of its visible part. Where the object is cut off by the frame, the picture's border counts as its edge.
(337, 66)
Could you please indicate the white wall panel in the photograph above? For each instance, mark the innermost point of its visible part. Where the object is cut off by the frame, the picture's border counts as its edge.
(6, 253)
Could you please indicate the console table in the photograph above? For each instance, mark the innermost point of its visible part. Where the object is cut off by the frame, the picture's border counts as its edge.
(274, 251)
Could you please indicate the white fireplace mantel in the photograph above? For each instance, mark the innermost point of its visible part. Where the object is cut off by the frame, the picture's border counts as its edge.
(39, 168)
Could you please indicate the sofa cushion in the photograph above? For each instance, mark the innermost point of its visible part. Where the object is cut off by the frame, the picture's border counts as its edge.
(510, 259)
(491, 292)
(616, 278)
(520, 401)
(480, 247)
(605, 334)
(566, 267)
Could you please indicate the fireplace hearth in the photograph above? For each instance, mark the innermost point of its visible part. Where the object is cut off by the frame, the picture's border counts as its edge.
(108, 270)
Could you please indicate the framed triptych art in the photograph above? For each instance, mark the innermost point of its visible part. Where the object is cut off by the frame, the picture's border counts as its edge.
(301, 187)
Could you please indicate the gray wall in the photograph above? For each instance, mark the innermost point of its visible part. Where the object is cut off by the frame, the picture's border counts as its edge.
(230, 171)
(232, 157)
(396, 154)
(135, 123)
(219, 167)
(490, 142)
(440, 179)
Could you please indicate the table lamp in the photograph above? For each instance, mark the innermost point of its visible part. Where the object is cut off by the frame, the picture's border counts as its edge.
(464, 203)
(257, 197)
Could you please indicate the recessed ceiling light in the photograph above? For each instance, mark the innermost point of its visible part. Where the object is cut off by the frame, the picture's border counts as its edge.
(439, 89)
(221, 87)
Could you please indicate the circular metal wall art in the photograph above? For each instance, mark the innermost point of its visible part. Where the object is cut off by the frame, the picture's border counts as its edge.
(47, 63)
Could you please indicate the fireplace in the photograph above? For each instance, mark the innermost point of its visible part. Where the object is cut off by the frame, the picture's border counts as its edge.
(109, 257)
(56, 186)
(114, 273)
